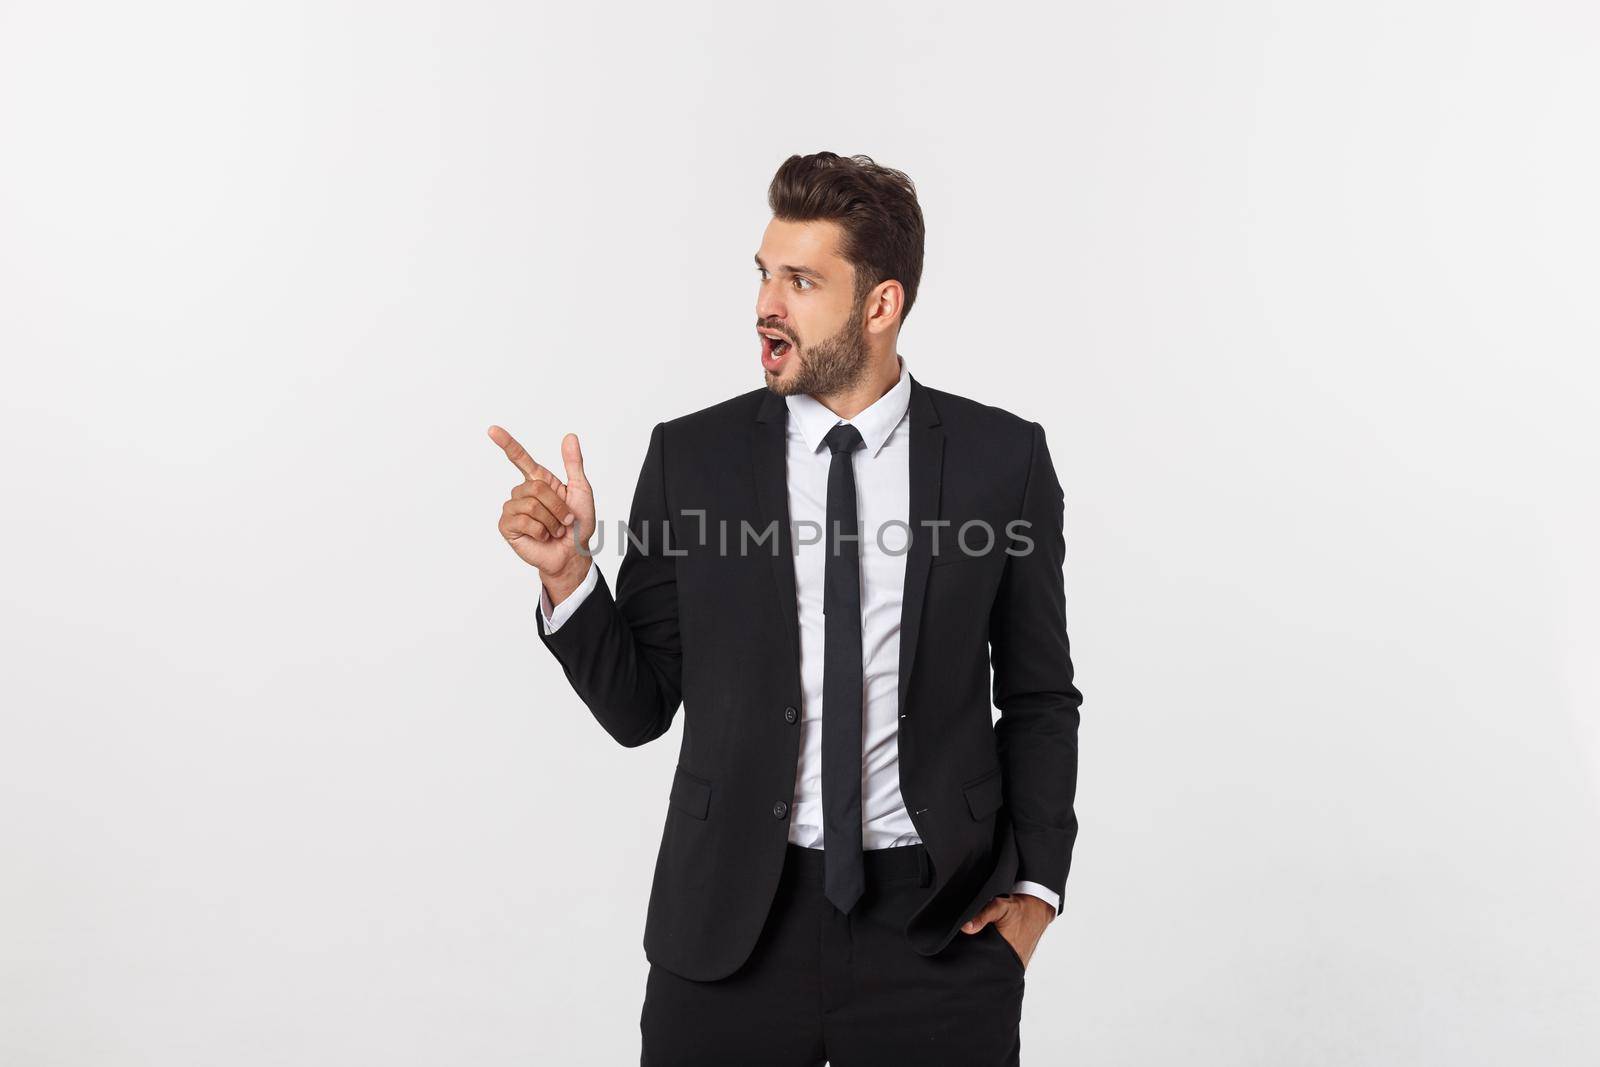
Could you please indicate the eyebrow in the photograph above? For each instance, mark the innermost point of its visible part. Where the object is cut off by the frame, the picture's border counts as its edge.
(789, 269)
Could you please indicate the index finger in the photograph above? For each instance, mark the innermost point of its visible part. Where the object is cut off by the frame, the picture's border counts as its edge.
(517, 454)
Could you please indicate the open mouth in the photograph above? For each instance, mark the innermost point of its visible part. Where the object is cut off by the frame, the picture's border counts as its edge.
(774, 346)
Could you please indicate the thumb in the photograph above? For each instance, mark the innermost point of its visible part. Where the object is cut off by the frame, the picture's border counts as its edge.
(991, 911)
(572, 456)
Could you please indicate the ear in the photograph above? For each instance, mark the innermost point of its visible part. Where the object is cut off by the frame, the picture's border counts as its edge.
(883, 307)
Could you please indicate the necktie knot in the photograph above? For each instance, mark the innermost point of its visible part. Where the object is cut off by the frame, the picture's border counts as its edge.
(843, 438)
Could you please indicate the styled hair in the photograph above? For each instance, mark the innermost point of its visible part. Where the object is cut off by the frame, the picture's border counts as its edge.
(875, 206)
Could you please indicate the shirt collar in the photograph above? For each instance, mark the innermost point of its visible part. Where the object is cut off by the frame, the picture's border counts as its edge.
(876, 423)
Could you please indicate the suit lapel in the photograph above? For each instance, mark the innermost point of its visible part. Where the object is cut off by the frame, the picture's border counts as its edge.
(927, 463)
(769, 452)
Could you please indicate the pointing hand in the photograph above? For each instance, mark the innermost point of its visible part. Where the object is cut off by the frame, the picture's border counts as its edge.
(546, 521)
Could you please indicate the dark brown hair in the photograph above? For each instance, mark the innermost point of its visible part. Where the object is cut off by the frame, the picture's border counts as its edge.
(875, 206)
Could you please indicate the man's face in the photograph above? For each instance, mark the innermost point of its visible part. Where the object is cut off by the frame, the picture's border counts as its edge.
(808, 323)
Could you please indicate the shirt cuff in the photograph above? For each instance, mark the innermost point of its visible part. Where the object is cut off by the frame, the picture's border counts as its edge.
(554, 617)
(1034, 889)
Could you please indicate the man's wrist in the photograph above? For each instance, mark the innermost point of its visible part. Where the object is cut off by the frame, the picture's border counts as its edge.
(1029, 898)
(562, 584)
(1044, 895)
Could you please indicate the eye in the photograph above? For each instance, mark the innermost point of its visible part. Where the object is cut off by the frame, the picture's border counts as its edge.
(802, 284)
(762, 271)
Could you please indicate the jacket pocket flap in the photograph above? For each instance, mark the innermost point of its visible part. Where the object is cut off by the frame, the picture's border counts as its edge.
(949, 554)
(985, 796)
(691, 794)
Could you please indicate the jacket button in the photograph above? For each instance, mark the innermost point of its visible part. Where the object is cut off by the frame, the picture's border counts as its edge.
(790, 715)
(780, 809)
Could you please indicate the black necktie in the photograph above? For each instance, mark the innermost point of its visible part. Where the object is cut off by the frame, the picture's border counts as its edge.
(844, 879)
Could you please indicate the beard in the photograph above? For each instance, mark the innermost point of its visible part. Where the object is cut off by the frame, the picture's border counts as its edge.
(828, 367)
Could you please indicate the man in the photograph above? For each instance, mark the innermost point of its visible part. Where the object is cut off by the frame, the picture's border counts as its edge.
(857, 860)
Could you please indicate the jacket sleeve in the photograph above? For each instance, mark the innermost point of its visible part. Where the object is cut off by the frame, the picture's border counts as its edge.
(623, 655)
(1037, 732)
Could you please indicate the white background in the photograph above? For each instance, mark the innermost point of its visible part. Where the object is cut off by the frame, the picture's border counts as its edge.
(1304, 295)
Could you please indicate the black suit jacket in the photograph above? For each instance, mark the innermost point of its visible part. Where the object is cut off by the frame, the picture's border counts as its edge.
(716, 632)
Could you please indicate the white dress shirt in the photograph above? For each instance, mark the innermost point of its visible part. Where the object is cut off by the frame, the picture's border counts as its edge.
(883, 486)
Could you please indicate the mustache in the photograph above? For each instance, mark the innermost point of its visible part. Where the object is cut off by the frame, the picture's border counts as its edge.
(775, 328)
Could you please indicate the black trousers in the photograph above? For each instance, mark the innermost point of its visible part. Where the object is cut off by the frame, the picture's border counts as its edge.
(848, 990)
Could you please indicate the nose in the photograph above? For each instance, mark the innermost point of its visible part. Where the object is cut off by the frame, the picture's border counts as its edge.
(769, 302)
